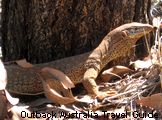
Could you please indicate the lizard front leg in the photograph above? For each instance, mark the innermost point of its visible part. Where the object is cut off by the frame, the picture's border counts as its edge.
(90, 85)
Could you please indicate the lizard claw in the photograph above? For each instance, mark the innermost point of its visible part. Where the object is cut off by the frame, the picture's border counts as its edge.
(102, 95)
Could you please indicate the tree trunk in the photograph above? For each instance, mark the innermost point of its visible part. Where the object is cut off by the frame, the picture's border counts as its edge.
(43, 31)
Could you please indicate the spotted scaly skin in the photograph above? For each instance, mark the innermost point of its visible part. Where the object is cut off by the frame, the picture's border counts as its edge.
(81, 68)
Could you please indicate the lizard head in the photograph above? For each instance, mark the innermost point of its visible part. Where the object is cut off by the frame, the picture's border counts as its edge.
(136, 30)
(122, 38)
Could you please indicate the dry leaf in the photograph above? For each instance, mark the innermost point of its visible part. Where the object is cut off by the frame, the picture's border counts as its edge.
(3, 99)
(139, 64)
(153, 101)
(55, 96)
(13, 101)
(4, 95)
(58, 75)
(155, 22)
(3, 76)
(115, 71)
(85, 99)
(160, 77)
(57, 87)
(3, 105)
(23, 63)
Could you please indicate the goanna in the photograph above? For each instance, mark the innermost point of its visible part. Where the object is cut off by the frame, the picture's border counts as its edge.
(84, 67)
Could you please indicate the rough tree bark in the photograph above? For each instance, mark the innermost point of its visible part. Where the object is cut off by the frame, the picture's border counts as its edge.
(45, 30)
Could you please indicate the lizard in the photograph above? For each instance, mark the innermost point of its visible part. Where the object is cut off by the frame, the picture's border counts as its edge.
(83, 68)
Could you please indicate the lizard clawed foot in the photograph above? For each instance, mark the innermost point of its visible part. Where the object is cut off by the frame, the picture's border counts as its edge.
(102, 95)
